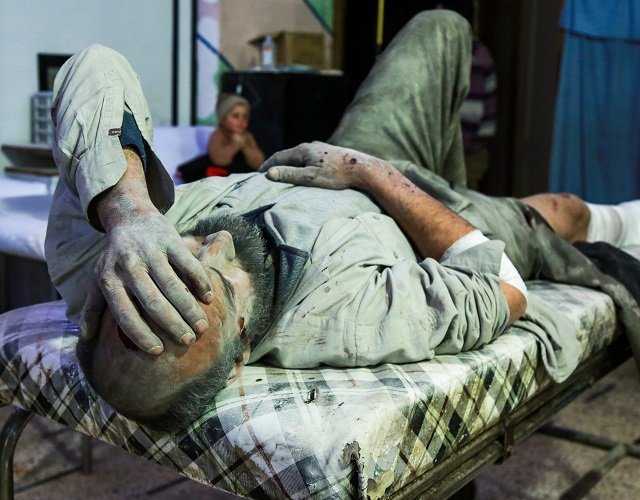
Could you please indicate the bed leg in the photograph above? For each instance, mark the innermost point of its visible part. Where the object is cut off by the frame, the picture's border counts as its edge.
(8, 439)
(87, 457)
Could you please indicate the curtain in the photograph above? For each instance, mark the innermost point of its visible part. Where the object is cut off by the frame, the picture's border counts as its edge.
(596, 136)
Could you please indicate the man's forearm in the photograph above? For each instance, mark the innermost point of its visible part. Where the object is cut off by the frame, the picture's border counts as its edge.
(431, 226)
(253, 156)
(129, 195)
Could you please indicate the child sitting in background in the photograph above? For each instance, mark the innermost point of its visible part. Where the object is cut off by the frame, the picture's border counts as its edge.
(232, 149)
(231, 145)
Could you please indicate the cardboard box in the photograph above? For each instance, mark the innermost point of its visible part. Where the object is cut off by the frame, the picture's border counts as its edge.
(293, 47)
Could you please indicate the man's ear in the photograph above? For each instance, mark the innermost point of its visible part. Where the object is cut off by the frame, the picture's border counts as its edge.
(241, 360)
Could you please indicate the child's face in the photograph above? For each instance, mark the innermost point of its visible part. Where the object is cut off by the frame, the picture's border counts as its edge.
(237, 120)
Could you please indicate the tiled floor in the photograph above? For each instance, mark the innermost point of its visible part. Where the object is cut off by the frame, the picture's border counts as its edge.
(544, 467)
(48, 464)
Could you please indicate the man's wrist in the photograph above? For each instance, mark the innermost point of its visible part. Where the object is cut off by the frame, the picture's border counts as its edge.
(375, 175)
(116, 207)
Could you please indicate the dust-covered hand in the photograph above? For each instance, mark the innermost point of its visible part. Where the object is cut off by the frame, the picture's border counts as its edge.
(323, 165)
(145, 269)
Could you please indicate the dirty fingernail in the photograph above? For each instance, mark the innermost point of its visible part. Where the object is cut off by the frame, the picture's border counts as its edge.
(200, 326)
(156, 350)
(188, 338)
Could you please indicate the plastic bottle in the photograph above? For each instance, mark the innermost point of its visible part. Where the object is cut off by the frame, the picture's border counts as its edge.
(267, 55)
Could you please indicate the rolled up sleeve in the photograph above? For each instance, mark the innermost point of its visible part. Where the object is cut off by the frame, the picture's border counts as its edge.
(92, 91)
(415, 310)
(89, 102)
(475, 309)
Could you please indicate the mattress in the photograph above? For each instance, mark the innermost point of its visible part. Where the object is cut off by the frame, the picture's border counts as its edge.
(24, 210)
(298, 433)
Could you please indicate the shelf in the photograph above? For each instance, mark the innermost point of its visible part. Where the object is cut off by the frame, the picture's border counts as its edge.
(34, 155)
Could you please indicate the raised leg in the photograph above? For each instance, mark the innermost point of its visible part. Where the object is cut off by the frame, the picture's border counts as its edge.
(408, 107)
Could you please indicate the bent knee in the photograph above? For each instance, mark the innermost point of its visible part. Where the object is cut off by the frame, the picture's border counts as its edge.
(573, 206)
(440, 19)
(567, 214)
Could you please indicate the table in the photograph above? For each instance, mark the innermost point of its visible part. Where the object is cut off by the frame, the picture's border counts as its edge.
(33, 155)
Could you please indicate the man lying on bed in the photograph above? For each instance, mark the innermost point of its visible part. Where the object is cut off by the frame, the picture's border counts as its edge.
(369, 263)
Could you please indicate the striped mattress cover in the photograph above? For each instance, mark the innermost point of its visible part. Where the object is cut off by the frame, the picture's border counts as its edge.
(298, 433)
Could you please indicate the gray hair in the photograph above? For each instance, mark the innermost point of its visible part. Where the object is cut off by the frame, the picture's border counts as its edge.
(188, 402)
(195, 396)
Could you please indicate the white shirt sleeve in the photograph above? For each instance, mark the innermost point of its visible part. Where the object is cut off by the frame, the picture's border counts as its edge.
(508, 272)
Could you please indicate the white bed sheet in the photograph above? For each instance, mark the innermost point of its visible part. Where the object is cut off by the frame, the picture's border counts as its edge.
(176, 145)
(24, 210)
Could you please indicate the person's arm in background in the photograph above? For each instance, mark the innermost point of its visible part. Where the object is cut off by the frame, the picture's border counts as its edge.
(222, 149)
(253, 155)
(432, 227)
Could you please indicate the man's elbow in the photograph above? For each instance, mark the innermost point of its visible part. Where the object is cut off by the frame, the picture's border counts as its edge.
(515, 299)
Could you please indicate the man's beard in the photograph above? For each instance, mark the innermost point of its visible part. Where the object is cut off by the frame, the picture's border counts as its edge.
(251, 252)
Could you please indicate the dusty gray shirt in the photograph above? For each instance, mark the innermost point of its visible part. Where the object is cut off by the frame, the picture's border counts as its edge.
(363, 297)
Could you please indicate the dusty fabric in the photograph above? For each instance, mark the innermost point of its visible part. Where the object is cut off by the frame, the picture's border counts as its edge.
(358, 295)
(614, 262)
(87, 111)
(408, 108)
(406, 111)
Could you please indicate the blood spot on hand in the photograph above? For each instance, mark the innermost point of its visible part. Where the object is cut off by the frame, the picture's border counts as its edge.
(353, 161)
